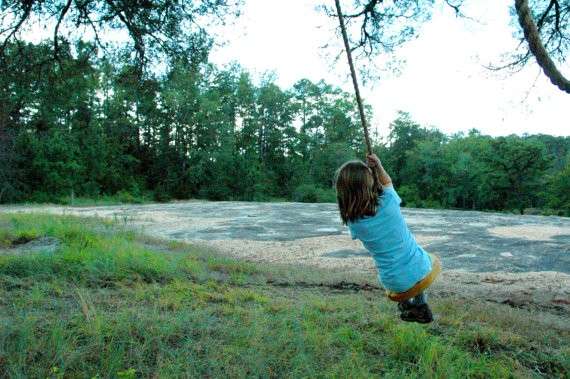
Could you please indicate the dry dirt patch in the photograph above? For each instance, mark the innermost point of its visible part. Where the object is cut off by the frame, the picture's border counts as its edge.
(529, 232)
(35, 245)
(546, 289)
(314, 251)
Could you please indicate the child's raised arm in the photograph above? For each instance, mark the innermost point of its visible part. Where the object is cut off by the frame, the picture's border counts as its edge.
(376, 166)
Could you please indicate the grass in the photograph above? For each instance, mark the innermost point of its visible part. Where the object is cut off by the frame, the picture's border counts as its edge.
(112, 303)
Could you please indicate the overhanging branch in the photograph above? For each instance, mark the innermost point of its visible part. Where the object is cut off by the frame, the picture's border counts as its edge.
(532, 36)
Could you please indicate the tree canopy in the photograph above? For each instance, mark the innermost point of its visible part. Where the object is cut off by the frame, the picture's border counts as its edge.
(544, 29)
(156, 28)
(91, 127)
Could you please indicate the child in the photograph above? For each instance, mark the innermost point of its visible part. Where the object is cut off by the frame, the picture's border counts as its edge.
(370, 207)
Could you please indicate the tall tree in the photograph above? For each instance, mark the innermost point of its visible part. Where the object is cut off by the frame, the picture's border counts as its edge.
(514, 173)
(558, 197)
(405, 134)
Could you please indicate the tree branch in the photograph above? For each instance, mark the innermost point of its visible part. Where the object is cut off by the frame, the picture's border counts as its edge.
(456, 7)
(133, 31)
(56, 30)
(532, 36)
(543, 17)
(27, 11)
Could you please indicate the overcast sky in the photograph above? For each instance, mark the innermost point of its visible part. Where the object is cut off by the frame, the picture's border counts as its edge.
(442, 84)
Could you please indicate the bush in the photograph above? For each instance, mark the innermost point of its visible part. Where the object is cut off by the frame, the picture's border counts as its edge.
(305, 193)
(431, 204)
(9, 194)
(261, 192)
(555, 212)
(215, 191)
(533, 211)
(310, 193)
(127, 197)
(161, 194)
(410, 196)
(326, 195)
(42, 197)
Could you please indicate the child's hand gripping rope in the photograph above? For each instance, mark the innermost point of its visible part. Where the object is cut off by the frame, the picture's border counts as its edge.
(373, 160)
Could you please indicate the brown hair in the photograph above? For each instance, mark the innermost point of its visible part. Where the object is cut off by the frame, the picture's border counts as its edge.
(356, 191)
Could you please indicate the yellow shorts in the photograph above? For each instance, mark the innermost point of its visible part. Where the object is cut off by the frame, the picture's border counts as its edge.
(421, 285)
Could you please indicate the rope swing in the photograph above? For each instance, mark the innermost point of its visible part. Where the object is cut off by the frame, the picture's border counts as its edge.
(354, 79)
(435, 262)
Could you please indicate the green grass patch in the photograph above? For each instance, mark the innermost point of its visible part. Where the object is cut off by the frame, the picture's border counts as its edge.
(111, 303)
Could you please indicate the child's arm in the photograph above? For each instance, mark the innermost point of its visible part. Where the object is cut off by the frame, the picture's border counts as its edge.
(376, 166)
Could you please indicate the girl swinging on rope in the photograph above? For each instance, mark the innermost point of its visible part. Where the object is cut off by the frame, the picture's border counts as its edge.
(370, 206)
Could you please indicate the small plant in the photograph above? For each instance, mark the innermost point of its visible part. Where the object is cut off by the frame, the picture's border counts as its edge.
(6, 238)
(127, 374)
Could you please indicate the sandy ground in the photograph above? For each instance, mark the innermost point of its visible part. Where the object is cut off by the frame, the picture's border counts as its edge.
(519, 260)
(531, 232)
(548, 289)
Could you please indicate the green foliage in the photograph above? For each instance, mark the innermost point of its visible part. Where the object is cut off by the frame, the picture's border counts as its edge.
(310, 193)
(158, 31)
(559, 197)
(473, 171)
(94, 129)
(513, 170)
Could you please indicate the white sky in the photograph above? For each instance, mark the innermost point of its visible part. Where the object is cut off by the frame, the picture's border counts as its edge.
(442, 84)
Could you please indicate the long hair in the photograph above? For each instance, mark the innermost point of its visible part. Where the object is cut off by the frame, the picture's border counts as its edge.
(356, 191)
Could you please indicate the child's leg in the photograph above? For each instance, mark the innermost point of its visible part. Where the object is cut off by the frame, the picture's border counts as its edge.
(416, 309)
(413, 302)
(419, 299)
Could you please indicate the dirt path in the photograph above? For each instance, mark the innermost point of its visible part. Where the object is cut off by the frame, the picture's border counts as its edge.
(519, 260)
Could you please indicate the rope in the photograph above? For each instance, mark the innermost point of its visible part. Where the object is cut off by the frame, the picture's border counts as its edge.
(354, 79)
(532, 36)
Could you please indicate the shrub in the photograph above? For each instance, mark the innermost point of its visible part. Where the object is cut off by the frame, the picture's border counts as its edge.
(215, 191)
(410, 196)
(432, 204)
(161, 194)
(326, 195)
(127, 197)
(310, 193)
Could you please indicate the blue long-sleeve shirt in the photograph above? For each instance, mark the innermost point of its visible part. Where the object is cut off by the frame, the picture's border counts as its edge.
(400, 261)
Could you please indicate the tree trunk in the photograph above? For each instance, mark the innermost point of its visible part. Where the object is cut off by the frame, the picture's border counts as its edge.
(532, 36)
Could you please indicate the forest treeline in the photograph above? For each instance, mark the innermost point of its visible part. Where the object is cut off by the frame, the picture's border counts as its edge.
(88, 127)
